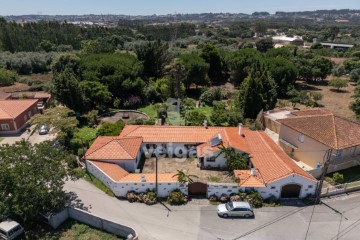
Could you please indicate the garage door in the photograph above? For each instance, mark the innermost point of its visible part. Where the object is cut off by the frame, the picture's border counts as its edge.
(290, 191)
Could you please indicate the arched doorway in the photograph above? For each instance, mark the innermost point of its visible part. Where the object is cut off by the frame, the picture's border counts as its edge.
(290, 191)
(197, 189)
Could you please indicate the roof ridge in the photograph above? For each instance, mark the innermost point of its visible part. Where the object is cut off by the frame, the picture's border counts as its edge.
(111, 139)
(118, 142)
(335, 132)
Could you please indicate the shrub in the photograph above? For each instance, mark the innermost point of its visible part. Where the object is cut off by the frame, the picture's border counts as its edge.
(111, 129)
(131, 197)
(211, 95)
(7, 77)
(234, 198)
(213, 198)
(255, 199)
(330, 180)
(338, 178)
(176, 197)
(224, 198)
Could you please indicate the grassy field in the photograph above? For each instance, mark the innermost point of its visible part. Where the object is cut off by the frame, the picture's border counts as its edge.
(70, 230)
(1, 139)
(336, 102)
(149, 110)
(86, 133)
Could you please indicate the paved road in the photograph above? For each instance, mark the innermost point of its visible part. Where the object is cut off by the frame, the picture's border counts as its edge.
(194, 221)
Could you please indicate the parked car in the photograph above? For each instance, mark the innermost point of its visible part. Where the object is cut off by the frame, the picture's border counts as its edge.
(235, 209)
(10, 230)
(43, 130)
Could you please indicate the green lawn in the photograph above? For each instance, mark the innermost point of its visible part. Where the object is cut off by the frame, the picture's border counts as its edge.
(149, 110)
(350, 174)
(70, 230)
(1, 139)
(87, 134)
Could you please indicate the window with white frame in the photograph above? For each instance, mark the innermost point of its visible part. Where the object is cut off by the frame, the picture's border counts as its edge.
(211, 159)
(5, 127)
(29, 113)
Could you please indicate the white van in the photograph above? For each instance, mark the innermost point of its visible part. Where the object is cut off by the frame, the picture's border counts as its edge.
(10, 230)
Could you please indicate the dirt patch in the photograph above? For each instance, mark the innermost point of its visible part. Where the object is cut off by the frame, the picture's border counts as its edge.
(125, 116)
(336, 102)
(171, 165)
(17, 87)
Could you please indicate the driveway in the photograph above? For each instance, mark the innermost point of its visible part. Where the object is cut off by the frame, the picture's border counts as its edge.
(33, 139)
(199, 221)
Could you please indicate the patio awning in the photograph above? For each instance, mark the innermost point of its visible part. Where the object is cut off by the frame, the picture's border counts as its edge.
(288, 144)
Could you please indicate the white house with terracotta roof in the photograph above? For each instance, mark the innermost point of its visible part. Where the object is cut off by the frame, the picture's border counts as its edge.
(124, 151)
(308, 135)
(121, 181)
(272, 172)
(14, 114)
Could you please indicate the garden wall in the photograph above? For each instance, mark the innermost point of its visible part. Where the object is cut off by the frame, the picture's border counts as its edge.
(95, 221)
(121, 188)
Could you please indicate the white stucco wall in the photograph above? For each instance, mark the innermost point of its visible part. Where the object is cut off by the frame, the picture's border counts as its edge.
(273, 189)
(220, 161)
(121, 188)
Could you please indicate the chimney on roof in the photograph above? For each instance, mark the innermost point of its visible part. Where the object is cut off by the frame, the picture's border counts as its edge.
(253, 171)
(241, 130)
(143, 179)
(205, 124)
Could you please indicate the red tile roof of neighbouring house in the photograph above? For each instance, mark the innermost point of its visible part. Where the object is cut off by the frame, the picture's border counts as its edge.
(270, 160)
(328, 129)
(11, 109)
(114, 148)
(173, 134)
(118, 174)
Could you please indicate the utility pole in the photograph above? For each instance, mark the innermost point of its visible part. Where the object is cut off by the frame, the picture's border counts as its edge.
(327, 159)
(156, 175)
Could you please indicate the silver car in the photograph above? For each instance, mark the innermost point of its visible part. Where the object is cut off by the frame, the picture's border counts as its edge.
(235, 209)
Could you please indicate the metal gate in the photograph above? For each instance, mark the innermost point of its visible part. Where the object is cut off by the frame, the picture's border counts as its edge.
(197, 189)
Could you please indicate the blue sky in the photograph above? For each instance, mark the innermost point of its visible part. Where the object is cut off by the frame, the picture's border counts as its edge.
(148, 7)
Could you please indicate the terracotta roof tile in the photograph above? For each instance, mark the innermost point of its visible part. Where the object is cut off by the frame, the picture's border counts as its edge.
(175, 134)
(331, 130)
(248, 180)
(114, 148)
(230, 138)
(270, 160)
(114, 171)
(10, 109)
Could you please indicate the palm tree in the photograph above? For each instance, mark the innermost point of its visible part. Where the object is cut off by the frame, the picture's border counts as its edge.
(183, 177)
(235, 160)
